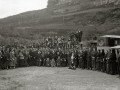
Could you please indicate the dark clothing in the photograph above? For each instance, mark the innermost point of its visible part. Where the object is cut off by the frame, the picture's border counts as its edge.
(119, 65)
(113, 63)
(93, 55)
(89, 63)
(102, 56)
(98, 60)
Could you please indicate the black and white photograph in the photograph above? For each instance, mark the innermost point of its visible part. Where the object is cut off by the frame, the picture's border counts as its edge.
(59, 44)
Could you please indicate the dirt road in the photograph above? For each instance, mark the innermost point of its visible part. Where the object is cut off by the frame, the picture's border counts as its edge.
(43, 78)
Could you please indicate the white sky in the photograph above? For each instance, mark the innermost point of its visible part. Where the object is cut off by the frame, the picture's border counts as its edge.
(12, 7)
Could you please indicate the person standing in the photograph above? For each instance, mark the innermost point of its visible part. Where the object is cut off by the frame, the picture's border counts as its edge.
(113, 63)
(98, 59)
(53, 64)
(26, 54)
(21, 59)
(48, 59)
(0, 60)
(58, 61)
(39, 58)
(108, 56)
(88, 59)
(12, 59)
(102, 56)
(119, 63)
(80, 58)
(93, 56)
(72, 62)
(104, 62)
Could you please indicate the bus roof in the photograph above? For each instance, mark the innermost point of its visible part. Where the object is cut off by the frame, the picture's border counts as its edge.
(116, 47)
(111, 36)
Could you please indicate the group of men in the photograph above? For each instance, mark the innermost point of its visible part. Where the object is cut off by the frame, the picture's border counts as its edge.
(108, 62)
(11, 57)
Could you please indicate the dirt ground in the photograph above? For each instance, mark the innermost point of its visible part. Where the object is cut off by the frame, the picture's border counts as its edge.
(44, 78)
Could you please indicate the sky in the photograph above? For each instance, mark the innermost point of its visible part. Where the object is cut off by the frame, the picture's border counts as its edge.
(13, 7)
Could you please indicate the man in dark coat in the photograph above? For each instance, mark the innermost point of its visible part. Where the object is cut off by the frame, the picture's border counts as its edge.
(89, 63)
(80, 58)
(48, 59)
(102, 56)
(69, 58)
(104, 62)
(108, 56)
(113, 63)
(98, 58)
(1, 62)
(3, 59)
(30, 61)
(53, 57)
(26, 55)
(76, 59)
(63, 59)
(119, 63)
(83, 60)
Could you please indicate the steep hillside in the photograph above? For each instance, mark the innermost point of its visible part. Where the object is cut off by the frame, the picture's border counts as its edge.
(44, 23)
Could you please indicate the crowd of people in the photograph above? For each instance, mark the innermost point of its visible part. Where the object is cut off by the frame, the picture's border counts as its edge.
(108, 62)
